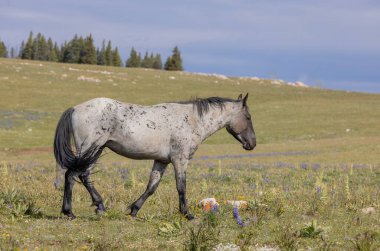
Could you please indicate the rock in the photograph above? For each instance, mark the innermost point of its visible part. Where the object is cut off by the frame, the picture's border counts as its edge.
(89, 79)
(208, 204)
(226, 247)
(300, 84)
(368, 210)
(238, 203)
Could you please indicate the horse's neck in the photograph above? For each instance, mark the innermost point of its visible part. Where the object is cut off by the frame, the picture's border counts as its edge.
(215, 119)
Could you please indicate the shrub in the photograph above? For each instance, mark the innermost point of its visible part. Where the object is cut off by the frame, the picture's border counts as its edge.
(366, 241)
(15, 203)
(311, 231)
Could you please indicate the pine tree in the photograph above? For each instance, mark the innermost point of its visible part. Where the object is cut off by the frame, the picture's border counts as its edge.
(75, 46)
(27, 51)
(65, 53)
(157, 63)
(174, 62)
(73, 50)
(134, 59)
(40, 48)
(88, 52)
(57, 52)
(13, 53)
(147, 61)
(116, 59)
(3, 50)
(168, 64)
(52, 55)
(101, 54)
(22, 46)
(77, 49)
(151, 60)
(108, 53)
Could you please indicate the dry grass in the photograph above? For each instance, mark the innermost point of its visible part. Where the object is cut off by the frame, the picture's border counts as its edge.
(316, 161)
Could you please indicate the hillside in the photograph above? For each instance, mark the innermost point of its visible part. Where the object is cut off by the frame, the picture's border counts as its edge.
(312, 182)
(333, 125)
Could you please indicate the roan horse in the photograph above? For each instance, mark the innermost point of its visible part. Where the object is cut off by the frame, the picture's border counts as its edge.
(166, 133)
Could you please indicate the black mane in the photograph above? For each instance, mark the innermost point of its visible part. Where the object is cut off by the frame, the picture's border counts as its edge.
(203, 104)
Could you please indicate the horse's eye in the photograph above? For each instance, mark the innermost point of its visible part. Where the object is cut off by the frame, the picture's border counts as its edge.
(248, 117)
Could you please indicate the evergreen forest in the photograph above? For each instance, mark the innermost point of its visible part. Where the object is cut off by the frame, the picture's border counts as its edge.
(82, 50)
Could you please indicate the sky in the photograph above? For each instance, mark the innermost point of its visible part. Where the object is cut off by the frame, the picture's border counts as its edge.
(332, 44)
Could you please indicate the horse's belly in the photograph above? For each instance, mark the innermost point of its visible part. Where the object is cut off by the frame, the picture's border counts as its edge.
(136, 151)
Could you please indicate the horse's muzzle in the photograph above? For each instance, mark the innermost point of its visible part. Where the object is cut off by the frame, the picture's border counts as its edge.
(249, 146)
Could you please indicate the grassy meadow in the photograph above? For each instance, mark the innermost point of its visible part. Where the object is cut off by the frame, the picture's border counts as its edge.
(312, 182)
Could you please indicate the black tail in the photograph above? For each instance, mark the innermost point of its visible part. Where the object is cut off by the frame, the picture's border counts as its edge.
(63, 146)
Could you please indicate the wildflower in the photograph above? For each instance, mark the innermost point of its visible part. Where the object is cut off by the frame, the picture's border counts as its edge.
(214, 208)
(124, 173)
(265, 179)
(303, 166)
(237, 217)
(319, 190)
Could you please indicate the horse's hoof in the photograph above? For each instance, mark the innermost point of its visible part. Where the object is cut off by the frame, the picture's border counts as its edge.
(189, 216)
(69, 215)
(100, 209)
(134, 209)
(99, 212)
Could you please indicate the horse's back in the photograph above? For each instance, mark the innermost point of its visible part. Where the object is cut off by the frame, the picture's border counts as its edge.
(133, 130)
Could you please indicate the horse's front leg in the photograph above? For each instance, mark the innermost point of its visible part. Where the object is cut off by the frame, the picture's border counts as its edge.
(155, 178)
(180, 166)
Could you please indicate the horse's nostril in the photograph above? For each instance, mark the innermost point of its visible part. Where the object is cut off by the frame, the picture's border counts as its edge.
(254, 143)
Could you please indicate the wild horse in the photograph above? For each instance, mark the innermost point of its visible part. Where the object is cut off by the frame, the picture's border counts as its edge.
(166, 133)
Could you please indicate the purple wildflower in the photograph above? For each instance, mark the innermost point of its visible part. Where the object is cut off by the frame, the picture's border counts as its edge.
(265, 179)
(237, 217)
(56, 183)
(123, 173)
(236, 213)
(316, 166)
(319, 190)
(214, 208)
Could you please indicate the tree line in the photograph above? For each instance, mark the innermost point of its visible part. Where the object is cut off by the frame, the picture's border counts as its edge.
(81, 50)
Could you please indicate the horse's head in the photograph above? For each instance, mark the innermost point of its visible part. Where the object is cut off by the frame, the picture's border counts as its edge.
(240, 125)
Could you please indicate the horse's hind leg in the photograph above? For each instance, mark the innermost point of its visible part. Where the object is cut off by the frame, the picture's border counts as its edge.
(155, 177)
(60, 174)
(95, 196)
(67, 194)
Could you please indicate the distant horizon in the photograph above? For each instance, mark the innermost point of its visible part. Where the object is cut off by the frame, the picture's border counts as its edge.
(333, 45)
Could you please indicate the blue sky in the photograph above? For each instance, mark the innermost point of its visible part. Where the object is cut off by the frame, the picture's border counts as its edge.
(332, 44)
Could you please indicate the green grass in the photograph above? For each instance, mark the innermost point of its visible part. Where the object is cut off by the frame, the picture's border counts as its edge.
(316, 166)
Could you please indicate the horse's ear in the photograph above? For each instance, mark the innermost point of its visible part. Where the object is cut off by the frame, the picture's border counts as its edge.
(240, 96)
(245, 100)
